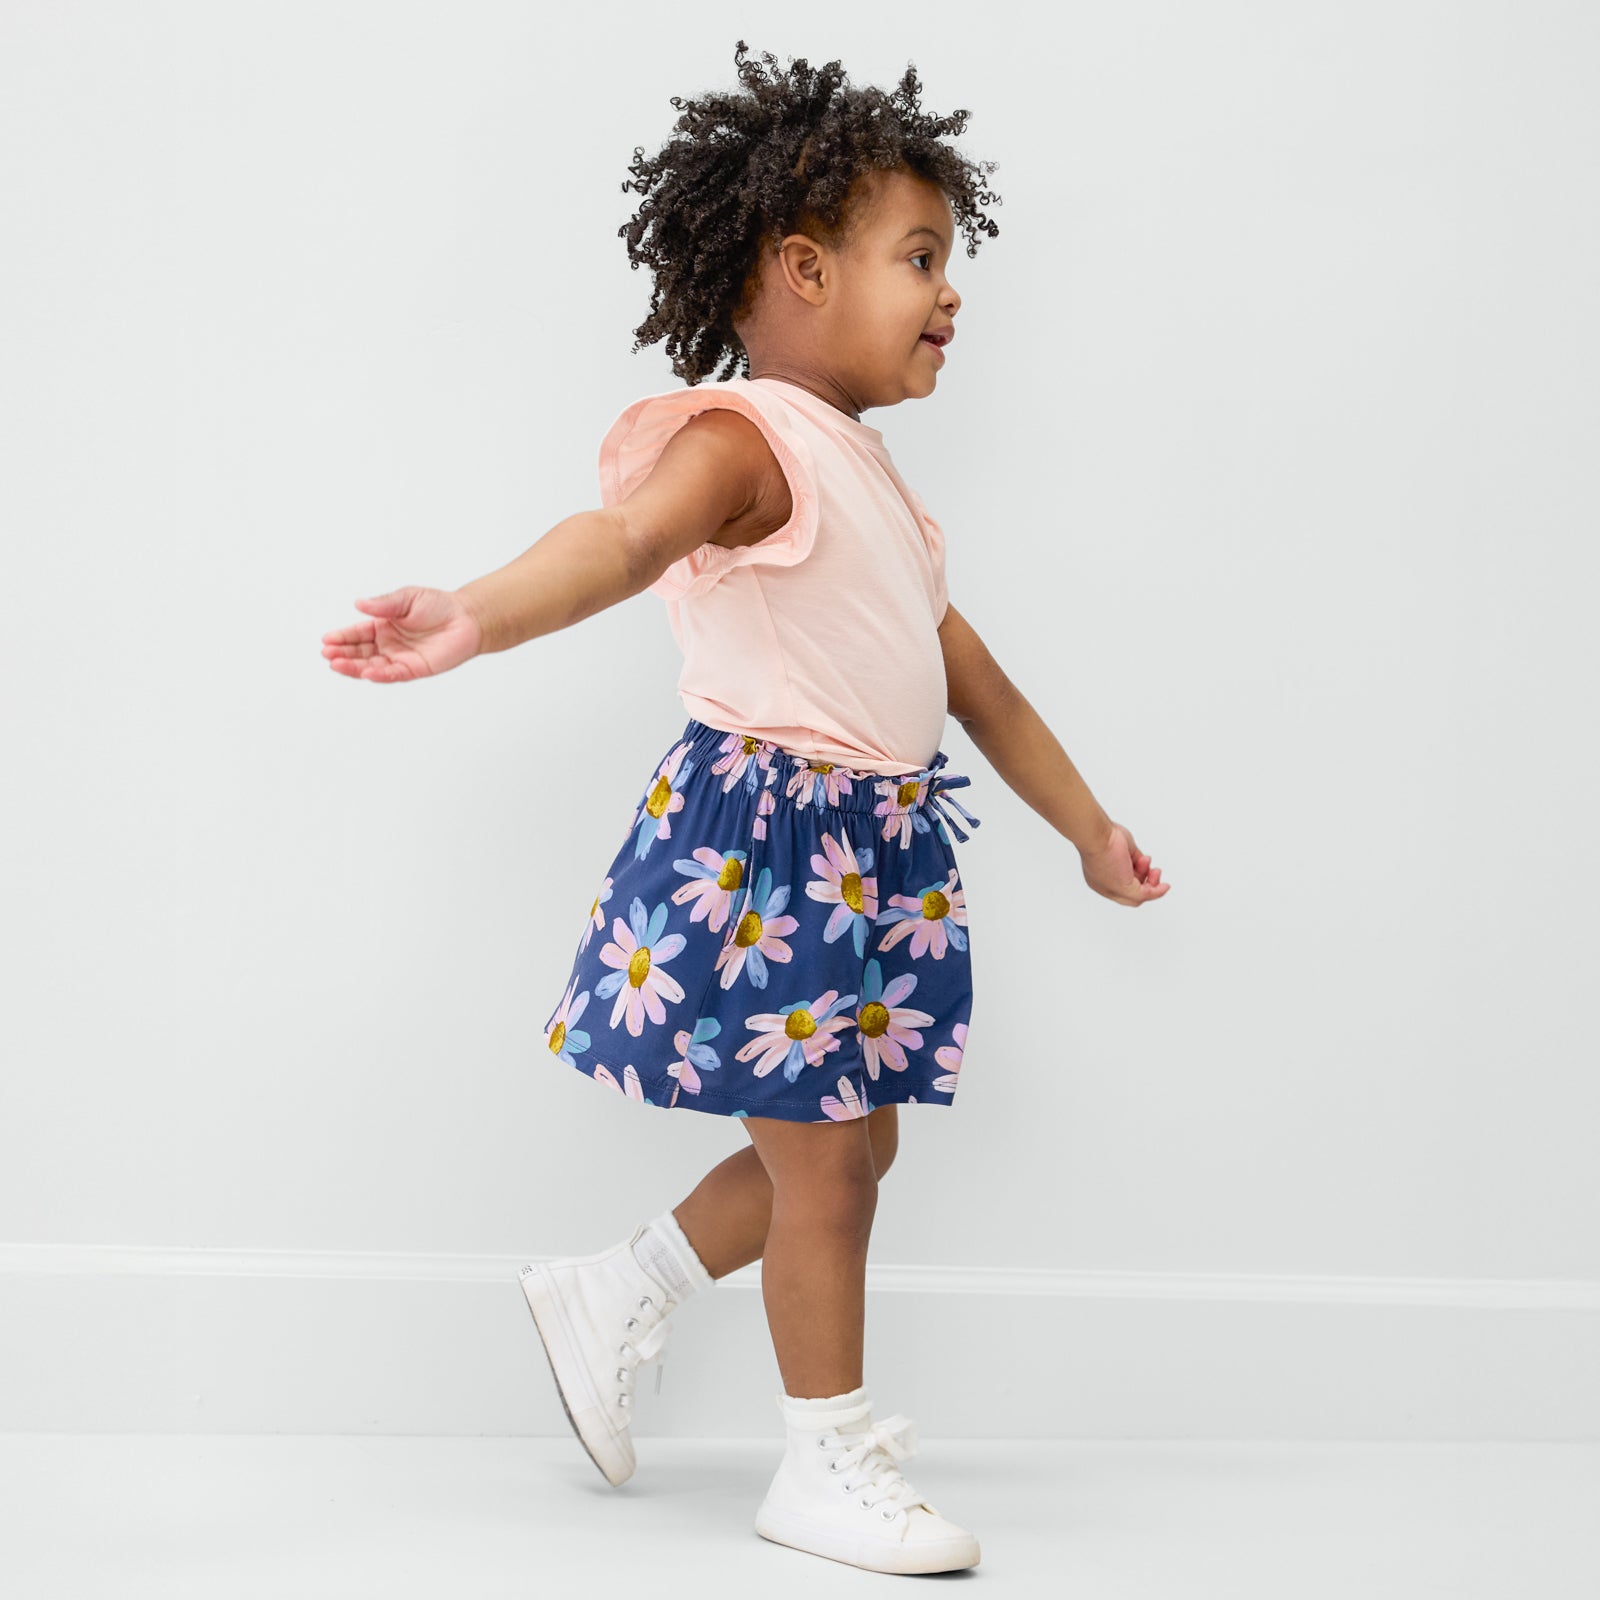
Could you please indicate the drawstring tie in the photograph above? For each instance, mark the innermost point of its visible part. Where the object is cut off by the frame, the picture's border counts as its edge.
(940, 800)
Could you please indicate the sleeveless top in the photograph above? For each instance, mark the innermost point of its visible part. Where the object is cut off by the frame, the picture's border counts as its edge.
(823, 636)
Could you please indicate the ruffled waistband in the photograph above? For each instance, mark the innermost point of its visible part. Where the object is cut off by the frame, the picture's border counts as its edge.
(740, 759)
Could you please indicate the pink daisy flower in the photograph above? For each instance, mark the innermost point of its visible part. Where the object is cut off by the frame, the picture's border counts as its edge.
(808, 778)
(637, 954)
(934, 920)
(756, 940)
(739, 753)
(840, 883)
(798, 1036)
(885, 1027)
(664, 797)
(715, 886)
(896, 808)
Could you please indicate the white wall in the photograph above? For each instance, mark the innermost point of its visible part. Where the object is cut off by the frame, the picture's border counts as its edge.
(1267, 459)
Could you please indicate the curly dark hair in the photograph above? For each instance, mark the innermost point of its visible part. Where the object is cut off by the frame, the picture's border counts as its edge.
(746, 168)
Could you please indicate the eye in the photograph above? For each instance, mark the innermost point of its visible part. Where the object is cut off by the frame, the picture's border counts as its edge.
(925, 255)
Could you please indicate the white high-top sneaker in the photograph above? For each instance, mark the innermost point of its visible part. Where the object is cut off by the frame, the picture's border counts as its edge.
(599, 1317)
(839, 1493)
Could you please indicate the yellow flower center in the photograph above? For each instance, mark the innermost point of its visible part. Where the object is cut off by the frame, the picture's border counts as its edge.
(907, 792)
(873, 1019)
(934, 905)
(751, 745)
(732, 874)
(850, 891)
(800, 1024)
(639, 965)
(660, 797)
(749, 929)
(558, 1037)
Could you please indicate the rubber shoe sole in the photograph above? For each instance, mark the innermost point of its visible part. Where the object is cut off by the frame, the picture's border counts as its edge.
(858, 1550)
(560, 1344)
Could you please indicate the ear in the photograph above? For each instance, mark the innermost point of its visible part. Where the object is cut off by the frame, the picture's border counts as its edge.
(804, 266)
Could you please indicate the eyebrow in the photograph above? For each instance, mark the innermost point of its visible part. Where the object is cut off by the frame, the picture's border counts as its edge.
(932, 232)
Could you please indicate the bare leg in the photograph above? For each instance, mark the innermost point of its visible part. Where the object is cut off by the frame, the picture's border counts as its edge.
(727, 1215)
(814, 1264)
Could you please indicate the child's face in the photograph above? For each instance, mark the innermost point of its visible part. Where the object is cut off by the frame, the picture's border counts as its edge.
(850, 320)
(890, 289)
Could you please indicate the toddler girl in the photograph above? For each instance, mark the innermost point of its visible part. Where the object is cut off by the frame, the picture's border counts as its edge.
(782, 934)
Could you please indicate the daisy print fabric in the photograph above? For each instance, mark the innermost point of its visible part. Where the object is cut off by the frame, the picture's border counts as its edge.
(775, 938)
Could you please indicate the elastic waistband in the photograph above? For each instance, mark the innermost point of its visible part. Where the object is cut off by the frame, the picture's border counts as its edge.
(739, 758)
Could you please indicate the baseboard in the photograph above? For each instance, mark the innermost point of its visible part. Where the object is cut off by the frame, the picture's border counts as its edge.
(136, 1340)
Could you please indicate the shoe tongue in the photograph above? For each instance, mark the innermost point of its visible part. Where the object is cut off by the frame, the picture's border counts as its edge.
(659, 1262)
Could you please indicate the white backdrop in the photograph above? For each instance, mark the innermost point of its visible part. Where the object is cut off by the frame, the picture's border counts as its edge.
(1267, 461)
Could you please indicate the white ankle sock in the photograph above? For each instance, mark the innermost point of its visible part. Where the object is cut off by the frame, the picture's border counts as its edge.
(664, 1251)
(850, 1412)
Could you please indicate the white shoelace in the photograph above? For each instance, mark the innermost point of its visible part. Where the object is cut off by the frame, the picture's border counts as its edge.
(875, 1454)
(651, 1343)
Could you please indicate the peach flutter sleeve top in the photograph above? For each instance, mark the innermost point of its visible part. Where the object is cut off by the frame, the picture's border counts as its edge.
(823, 636)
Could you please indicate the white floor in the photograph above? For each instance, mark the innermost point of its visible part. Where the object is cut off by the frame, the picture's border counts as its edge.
(226, 1517)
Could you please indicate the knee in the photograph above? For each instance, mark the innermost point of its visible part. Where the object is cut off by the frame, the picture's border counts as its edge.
(840, 1192)
(848, 1205)
(826, 1171)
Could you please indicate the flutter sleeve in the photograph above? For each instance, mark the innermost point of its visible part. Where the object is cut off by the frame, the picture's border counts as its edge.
(933, 539)
(636, 439)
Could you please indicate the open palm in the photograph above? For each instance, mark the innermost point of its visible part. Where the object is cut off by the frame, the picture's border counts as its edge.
(409, 633)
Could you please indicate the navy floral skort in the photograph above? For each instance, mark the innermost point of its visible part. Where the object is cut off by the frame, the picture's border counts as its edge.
(775, 938)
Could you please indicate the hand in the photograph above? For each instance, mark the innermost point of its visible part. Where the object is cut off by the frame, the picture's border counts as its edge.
(410, 633)
(1121, 872)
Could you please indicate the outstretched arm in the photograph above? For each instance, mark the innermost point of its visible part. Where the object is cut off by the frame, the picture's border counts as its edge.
(1018, 744)
(709, 472)
(715, 481)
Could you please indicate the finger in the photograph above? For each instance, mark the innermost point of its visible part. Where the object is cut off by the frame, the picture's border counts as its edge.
(376, 669)
(387, 605)
(356, 633)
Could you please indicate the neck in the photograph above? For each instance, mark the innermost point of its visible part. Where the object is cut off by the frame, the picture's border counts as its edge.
(824, 388)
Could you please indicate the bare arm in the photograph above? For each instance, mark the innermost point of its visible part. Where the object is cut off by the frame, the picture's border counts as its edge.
(715, 481)
(1018, 744)
(1014, 738)
(581, 566)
